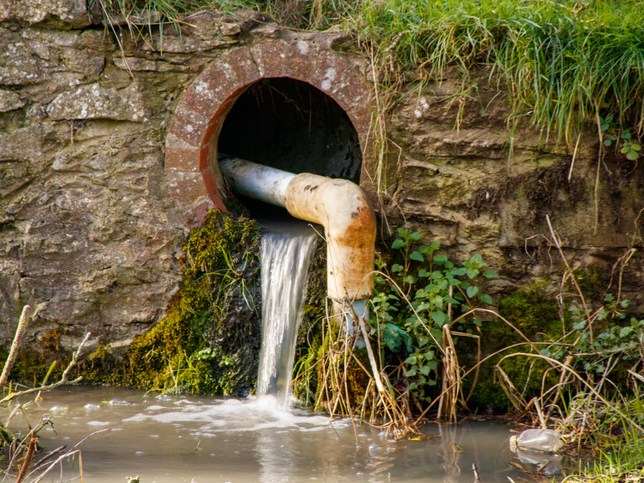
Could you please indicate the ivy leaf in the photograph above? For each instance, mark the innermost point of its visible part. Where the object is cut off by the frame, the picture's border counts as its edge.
(415, 236)
(417, 256)
(579, 325)
(429, 249)
(606, 122)
(472, 290)
(490, 274)
(439, 317)
(609, 139)
(486, 299)
(398, 244)
(396, 267)
(472, 272)
(423, 273)
(476, 260)
(632, 155)
(440, 259)
(410, 279)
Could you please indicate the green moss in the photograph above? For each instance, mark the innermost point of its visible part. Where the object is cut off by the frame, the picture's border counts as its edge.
(592, 281)
(209, 341)
(309, 339)
(49, 358)
(533, 312)
(536, 314)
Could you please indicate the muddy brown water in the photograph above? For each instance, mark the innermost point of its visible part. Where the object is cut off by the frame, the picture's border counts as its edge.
(161, 439)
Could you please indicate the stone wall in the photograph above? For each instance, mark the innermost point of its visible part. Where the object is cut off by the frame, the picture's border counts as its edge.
(90, 234)
(463, 177)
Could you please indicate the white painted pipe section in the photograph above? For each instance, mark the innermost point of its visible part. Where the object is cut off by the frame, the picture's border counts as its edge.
(256, 181)
(339, 205)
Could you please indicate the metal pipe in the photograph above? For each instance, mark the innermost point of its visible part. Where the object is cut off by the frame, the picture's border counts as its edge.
(339, 205)
(256, 181)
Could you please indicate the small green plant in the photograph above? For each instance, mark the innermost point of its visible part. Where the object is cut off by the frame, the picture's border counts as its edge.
(629, 147)
(597, 351)
(418, 299)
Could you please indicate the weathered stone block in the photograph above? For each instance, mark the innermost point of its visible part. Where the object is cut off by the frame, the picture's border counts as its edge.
(88, 62)
(99, 102)
(61, 13)
(10, 101)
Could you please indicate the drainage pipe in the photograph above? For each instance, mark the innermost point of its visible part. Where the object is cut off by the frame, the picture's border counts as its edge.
(339, 205)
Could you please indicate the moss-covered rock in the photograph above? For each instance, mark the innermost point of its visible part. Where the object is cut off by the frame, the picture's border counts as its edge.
(46, 361)
(535, 314)
(209, 341)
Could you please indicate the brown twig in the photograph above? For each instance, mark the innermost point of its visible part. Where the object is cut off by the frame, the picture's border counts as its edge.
(569, 271)
(33, 442)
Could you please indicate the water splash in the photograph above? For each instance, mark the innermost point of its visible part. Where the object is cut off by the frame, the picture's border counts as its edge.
(286, 252)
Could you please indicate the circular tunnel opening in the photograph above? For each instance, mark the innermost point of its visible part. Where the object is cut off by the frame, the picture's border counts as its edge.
(291, 125)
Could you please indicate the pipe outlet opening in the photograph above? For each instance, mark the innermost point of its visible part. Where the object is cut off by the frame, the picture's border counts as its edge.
(290, 125)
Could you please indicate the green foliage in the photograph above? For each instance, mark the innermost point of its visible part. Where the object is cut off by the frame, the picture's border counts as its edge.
(603, 342)
(622, 451)
(423, 292)
(209, 340)
(629, 147)
(166, 11)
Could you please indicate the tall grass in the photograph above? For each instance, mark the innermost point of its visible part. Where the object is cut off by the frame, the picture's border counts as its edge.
(565, 63)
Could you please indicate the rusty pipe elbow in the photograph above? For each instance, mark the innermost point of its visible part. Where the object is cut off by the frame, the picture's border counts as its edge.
(350, 229)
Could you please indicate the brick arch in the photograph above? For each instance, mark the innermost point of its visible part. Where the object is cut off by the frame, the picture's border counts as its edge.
(191, 144)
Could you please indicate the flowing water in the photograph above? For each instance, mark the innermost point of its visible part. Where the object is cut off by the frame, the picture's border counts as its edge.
(286, 253)
(167, 439)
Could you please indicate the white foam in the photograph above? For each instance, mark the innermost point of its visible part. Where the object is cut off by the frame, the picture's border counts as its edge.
(233, 415)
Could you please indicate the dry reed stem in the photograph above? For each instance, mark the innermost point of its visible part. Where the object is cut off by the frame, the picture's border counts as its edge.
(476, 367)
(398, 422)
(451, 381)
(74, 451)
(33, 442)
(15, 345)
(570, 273)
(579, 378)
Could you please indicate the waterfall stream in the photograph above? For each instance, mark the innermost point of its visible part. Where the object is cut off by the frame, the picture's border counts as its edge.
(286, 252)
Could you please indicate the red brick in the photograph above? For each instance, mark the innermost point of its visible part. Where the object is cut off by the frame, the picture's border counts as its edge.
(181, 159)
